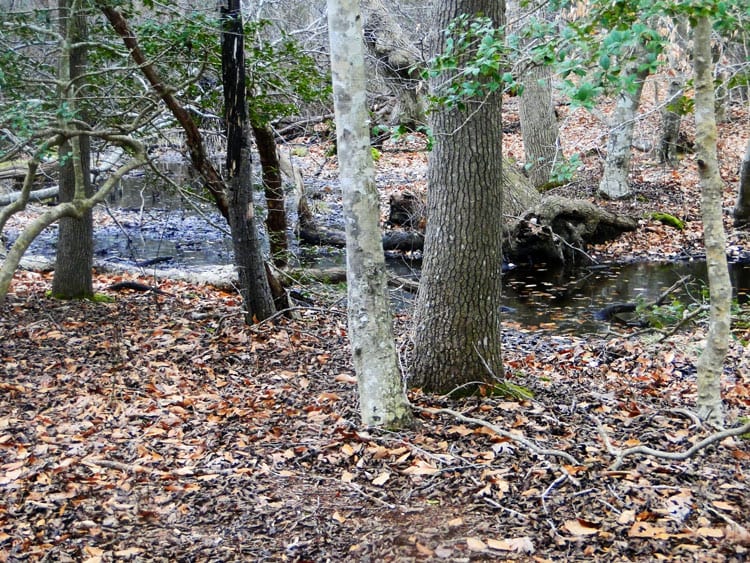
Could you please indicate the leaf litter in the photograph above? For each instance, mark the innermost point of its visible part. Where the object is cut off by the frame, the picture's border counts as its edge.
(161, 428)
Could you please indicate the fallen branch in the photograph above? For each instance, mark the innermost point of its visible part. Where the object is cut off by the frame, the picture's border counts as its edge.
(528, 444)
(620, 455)
(37, 195)
(136, 286)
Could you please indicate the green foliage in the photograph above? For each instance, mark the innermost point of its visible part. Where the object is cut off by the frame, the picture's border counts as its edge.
(600, 53)
(682, 105)
(564, 171)
(507, 390)
(473, 62)
(661, 316)
(399, 132)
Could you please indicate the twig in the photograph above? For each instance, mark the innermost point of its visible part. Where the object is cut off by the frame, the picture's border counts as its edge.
(499, 506)
(620, 455)
(528, 444)
(685, 319)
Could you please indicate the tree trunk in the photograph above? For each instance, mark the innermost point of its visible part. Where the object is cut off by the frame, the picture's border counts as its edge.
(614, 183)
(256, 293)
(274, 189)
(457, 334)
(742, 208)
(541, 137)
(670, 124)
(396, 61)
(75, 238)
(711, 362)
(381, 395)
(671, 119)
(212, 180)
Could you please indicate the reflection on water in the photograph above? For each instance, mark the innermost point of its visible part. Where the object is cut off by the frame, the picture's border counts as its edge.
(155, 223)
(554, 300)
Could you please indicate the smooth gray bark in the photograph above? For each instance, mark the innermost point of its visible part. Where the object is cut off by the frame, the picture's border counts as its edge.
(614, 182)
(711, 362)
(381, 393)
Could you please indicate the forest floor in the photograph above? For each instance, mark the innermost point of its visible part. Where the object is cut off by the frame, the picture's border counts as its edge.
(158, 427)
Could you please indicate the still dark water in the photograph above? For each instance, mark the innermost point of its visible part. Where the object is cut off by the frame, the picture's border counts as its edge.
(567, 302)
(148, 222)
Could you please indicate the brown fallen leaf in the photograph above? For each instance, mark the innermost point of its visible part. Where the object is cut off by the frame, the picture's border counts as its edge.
(646, 530)
(518, 545)
(580, 527)
(475, 544)
(381, 479)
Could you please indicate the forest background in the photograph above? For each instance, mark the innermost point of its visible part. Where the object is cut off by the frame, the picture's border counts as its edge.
(185, 406)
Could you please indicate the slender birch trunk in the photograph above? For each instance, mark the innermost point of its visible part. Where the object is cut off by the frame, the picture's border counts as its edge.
(711, 363)
(381, 395)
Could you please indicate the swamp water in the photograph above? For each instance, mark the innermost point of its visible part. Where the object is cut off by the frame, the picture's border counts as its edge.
(148, 224)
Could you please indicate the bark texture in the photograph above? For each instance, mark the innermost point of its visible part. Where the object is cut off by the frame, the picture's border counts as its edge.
(614, 182)
(396, 60)
(381, 394)
(541, 136)
(670, 124)
(274, 189)
(75, 238)
(457, 334)
(742, 208)
(256, 293)
(711, 362)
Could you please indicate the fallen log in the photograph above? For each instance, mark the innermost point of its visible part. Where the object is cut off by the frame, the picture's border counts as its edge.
(557, 231)
(17, 169)
(37, 195)
(405, 241)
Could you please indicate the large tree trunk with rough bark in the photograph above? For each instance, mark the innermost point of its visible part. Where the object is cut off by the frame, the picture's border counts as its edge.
(256, 293)
(75, 238)
(742, 208)
(541, 137)
(457, 334)
(711, 362)
(381, 394)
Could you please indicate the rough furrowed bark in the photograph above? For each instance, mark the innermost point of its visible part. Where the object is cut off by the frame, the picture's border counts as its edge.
(457, 334)
(254, 286)
(274, 189)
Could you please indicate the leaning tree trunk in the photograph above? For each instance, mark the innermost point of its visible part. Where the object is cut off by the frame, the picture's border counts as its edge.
(457, 333)
(75, 238)
(274, 188)
(711, 362)
(614, 182)
(256, 293)
(381, 394)
(541, 137)
(742, 208)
